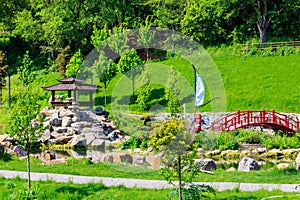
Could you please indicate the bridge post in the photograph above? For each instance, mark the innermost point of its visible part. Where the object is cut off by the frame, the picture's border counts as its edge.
(273, 117)
(239, 116)
(213, 126)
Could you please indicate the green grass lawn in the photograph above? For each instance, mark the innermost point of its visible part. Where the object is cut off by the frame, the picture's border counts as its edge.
(15, 189)
(85, 168)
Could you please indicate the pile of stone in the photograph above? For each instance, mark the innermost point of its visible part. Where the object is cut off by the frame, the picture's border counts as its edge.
(78, 128)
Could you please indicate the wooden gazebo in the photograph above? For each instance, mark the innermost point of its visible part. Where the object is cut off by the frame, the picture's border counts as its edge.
(71, 84)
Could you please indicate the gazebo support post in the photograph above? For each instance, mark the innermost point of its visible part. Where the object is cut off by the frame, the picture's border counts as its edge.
(91, 99)
(53, 98)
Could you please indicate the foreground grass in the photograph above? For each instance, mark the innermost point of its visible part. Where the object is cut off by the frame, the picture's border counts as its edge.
(14, 188)
(85, 168)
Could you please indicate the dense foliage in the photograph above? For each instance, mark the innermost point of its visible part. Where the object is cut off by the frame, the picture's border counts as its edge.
(44, 28)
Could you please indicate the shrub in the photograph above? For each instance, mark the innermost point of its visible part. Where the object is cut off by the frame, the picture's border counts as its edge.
(281, 142)
(250, 137)
(135, 142)
(285, 51)
(227, 140)
(192, 191)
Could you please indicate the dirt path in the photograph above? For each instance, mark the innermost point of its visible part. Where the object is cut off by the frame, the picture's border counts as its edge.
(150, 184)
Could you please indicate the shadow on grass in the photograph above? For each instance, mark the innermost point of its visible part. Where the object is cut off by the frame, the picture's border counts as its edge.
(82, 191)
(239, 198)
(5, 157)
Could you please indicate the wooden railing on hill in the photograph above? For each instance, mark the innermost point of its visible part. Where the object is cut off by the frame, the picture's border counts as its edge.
(244, 48)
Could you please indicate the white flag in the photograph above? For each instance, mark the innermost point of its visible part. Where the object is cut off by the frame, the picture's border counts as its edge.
(199, 91)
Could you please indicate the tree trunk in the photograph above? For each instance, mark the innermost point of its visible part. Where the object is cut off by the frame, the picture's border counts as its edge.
(28, 165)
(105, 86)
(1, 96)
(179, 178)
(262, 27)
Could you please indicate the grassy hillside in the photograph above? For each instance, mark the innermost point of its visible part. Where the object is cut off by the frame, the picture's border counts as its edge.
(251, 82)
(257, 82)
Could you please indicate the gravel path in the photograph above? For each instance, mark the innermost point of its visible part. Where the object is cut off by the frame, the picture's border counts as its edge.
(151, 184)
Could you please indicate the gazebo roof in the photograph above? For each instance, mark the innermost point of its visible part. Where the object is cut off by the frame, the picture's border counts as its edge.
(71, 87)
(71, 80)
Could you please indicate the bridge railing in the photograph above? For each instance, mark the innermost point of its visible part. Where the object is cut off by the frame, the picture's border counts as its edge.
(256, 118)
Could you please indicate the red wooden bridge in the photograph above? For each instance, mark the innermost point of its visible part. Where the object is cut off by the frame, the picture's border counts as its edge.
(244, 119)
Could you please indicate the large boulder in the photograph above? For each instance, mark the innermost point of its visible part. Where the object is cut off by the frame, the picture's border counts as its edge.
(154, 161)
(248, 164)
(19, 150)
(138, 160)
(206, 164)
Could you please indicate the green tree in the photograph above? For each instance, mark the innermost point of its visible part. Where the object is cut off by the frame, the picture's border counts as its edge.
(3, 71)
(144, 91)
(131, 65)
(173, 138)
(25, 123)
(146, 37)
(25, 71)
(105, 70)
(99, 37)
(74, 65)
(167, 14)
(118, 42)
(63, 59)
(172, 92)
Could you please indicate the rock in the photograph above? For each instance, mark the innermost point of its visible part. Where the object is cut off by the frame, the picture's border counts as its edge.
(19, 150)
(66, 113)
(61, 130)
(89, 137)
(137, 150)
(98, 142)
(83, 116)
(97, 132)
(55, 135)
(297, 162)
(55, 120)
(112, 136)
(154, 161)
(46, 136)
(99, 111)
(150, 149)
(248, 164)
(3, 138)
(66, 122)
(81, 125)
(65, 139)
(206, 164)
(48, 156)
(138, 160)
(54, 141)
(78, 141)
(282, 166)
(231, 169)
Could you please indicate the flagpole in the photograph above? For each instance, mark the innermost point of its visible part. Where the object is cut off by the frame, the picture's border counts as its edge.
(195, 82)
